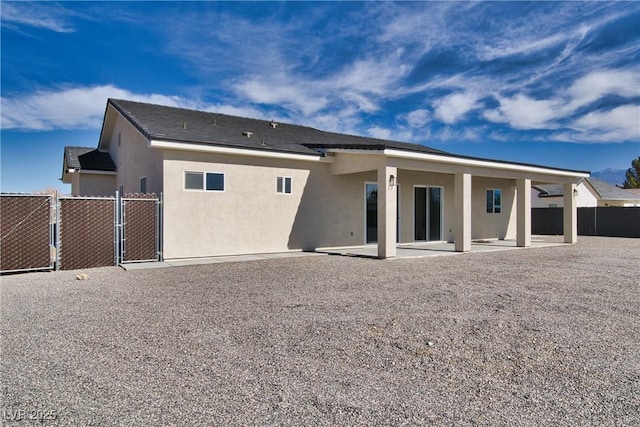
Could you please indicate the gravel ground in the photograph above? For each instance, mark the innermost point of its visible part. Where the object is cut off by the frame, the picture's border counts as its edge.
(524, 337)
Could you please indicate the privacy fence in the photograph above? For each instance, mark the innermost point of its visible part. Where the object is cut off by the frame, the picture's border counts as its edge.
(599, 221)
(41, 232)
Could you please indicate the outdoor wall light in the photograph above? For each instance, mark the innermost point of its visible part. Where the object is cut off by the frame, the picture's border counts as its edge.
(392, 181)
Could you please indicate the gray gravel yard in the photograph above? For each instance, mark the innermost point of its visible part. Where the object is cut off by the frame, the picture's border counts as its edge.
(522, 337)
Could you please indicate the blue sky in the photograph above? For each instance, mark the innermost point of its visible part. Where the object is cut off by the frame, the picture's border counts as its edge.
(552, 83)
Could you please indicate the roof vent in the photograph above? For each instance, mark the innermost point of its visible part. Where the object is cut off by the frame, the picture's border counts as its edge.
(247, 134)
(273, 124)
(184, 125)
(214, 122)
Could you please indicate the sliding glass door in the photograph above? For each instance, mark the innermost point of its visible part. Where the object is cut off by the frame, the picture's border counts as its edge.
(427, 202)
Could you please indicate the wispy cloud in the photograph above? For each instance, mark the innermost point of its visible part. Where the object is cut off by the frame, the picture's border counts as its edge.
(616, 125)
(452, 108)
(600, 83)
(83, 107)
(47, 16)
(418, 71)
(523, 112)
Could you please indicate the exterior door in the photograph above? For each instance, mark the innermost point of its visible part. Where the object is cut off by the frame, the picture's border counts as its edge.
(371, 213)
(427, 214)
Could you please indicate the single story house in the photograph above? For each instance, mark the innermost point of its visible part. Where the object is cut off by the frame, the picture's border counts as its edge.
(234, 185)
(590, 192)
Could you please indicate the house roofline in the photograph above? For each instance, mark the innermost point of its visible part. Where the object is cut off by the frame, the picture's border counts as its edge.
(468, 161)
(220, 149)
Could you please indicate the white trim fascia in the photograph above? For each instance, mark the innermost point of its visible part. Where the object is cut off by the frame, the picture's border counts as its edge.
(92, 172)
(462, 161)
(481, 163)
(236, 151)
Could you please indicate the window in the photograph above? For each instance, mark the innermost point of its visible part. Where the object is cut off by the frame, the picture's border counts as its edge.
(283, 185)
(207, 181)
(494, 201)
(143, 185)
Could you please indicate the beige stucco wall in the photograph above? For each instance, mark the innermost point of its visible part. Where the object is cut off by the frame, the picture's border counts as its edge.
(493, 225)
(91, 184)
(134, 159)
(323, 210)
(249, 217)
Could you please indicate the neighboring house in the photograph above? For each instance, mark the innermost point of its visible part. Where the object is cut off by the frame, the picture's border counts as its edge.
(235, 185)
(89, 171)
(590, 192)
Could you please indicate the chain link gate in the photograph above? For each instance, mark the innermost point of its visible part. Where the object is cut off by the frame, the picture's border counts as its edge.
(86, 232)
(138, 226)
(38, 232)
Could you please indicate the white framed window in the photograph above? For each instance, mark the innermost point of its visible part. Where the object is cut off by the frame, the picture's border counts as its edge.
(143, 185)
(203, 181)
(283, 184)
(494, 200)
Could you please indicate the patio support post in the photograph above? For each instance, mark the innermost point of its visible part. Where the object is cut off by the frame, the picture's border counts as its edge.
(462, 223)
(523, 232)
(387, 201)
(570, 214)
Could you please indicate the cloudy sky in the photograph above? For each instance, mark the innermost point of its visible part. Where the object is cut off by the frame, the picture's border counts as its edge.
(556, 84)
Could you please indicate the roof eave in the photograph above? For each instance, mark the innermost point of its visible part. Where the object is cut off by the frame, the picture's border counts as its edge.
(219, 149)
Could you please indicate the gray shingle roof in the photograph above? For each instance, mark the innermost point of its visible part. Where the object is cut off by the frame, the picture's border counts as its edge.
(550, 190)
(201, 127)
(605, 190)
(88, 158)
(610, 192)
(160, 122)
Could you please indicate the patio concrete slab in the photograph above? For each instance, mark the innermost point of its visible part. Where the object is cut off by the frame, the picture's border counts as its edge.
(216, 260)
(422, 250)
(409, 250)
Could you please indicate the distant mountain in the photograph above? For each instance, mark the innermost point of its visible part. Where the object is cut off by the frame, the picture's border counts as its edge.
(612, 176)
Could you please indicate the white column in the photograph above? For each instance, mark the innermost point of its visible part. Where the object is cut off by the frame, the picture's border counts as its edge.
(387, 201)
(462, 223)
(523, 232)
(570, 214)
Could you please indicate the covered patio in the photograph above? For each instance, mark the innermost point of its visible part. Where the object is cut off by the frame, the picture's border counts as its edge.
(465, 180)
(424, 250)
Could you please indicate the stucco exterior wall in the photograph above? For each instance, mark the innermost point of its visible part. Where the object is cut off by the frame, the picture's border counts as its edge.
(249, 216)
(134, 159)
(89, 184)
(493, 225)
(322, 211)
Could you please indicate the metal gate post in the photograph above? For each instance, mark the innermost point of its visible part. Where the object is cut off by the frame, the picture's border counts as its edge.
(116, 232)
(159, 209)
(58, 219)
(52, 229)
